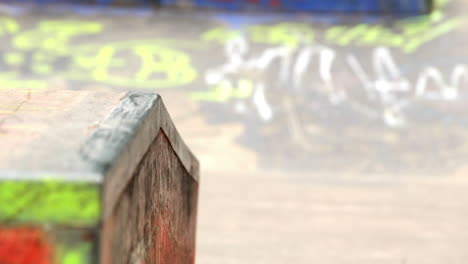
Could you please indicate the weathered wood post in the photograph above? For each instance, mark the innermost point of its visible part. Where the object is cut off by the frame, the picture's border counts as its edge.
(94, 177)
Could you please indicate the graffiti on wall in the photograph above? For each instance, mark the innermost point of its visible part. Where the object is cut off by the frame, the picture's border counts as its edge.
(407, 34)
(301, 82)
(276, 76)
(51, 50)
(387, 91)
(298, 52)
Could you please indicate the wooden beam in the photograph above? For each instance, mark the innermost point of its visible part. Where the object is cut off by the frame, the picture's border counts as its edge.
(99, 177)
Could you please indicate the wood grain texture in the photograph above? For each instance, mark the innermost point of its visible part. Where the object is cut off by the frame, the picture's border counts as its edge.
(155, 218)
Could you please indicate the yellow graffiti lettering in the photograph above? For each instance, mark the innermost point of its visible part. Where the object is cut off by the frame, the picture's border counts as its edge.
(438, 30)
(54, 35)
(14, 58)
(391, 39)
(8, 26)
(333, 33)
(42, 63)
(287, 34)
(51, 47)
(220, 34)
(352, 34)
(48, 42)
(159, 66)
(372, 35)
(97, 66)
(174, 64)
(408, 34)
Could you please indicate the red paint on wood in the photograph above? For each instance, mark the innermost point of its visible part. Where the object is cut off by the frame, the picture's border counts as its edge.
(24, 246)
(154, 221)
(167, 247)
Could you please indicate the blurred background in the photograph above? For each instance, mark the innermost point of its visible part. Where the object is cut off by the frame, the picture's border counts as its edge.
(327, 131)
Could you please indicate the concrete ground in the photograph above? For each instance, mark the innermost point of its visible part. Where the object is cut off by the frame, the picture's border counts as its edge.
(274, 219)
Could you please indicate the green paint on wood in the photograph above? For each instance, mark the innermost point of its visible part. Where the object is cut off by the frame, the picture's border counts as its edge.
(49, 201)
(77, 255)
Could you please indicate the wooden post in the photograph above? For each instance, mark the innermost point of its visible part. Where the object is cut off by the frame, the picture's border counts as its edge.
(94, 177)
